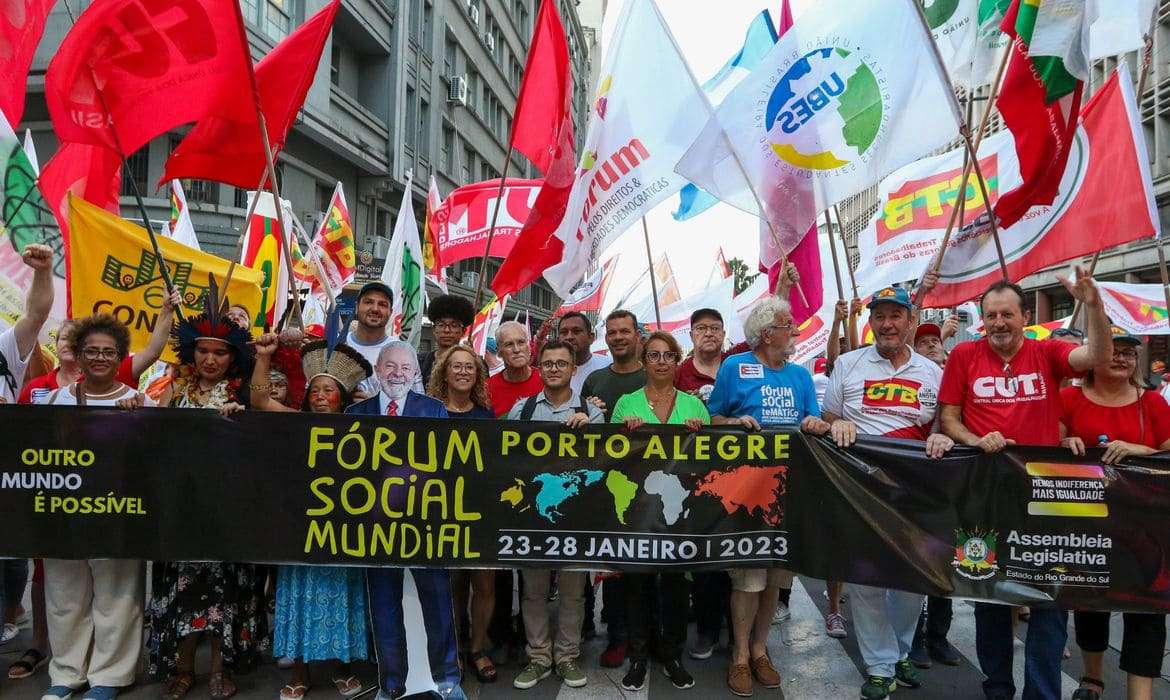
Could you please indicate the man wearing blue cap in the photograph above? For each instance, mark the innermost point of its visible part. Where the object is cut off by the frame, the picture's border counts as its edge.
(886, 389)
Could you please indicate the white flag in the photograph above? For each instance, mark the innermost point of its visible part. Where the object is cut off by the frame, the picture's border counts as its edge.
(954, 26)
(1120, 26)
(403, 273)
(179, 227)
(849, 94)
(990, 41)
(648, 110)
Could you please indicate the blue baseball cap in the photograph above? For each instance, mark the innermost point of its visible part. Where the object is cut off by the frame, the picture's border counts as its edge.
(491, 344)
(891, 295)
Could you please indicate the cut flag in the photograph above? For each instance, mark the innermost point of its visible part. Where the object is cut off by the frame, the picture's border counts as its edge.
(648, 110)
(848, 94)
(760, 38)
(22, 22)
(226, 146)
(544, 105)
(1105, 199)
(146, 56)
(1039, 101)
(487, 320)
(954, 28)
(179, 227)
(432, 261)
(461, 222)
(1119, 26)
(403, 273)
(806, 258)
(92, 173)
(990, 41)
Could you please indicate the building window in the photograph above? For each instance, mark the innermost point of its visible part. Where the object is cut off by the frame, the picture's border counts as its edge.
(449, 54)
(416, 19)
(468, 164)
(424, 129)
(277, 18)
(411, 115)
(473, 90)
(335, 64)
(446, 157)
(382, 223)
(427, 25)
(240, 199)
(201, 191)
(136, 171)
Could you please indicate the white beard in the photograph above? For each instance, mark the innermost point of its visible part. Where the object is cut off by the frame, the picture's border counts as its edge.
(395, 392)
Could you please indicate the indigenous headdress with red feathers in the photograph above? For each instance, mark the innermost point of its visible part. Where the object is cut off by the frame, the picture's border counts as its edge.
(212, 324)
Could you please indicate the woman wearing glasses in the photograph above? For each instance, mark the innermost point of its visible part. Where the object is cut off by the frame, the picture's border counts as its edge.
(656, 403)
(94, 607)
(1111, 409)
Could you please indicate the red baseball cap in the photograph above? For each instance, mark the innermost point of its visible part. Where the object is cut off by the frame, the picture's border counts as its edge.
(927, 329)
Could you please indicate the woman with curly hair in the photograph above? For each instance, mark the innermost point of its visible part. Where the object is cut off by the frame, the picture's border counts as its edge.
(218, 601)
(320, 610)
(459, 380)
(93, 607)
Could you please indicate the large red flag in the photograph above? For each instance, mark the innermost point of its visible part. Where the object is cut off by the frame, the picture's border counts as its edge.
(21, 24)
(158, 63)
(543, 107)
(226, 146)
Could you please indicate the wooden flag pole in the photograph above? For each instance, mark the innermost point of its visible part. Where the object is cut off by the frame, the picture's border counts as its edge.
(845, 249)
(653, 277)
(284, 243)
(836, 264)
(987, 200)
(244, 231)
(492, 230)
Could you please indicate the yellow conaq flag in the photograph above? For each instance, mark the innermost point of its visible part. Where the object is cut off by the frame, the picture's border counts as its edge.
(113, 269)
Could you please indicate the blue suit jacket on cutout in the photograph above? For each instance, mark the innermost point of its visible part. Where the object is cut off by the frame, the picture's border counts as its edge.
(417, 406)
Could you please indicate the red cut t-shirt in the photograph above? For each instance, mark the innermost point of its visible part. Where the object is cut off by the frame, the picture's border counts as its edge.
(46, 384)
(1019, 398)
(1142, 422)
(504, 394)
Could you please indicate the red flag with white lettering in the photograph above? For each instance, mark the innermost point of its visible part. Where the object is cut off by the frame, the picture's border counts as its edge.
(159, 64)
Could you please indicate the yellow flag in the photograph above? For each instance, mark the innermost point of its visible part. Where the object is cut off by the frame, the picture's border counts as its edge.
(113, 269)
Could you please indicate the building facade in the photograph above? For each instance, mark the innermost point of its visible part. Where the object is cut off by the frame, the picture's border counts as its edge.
(426, 87)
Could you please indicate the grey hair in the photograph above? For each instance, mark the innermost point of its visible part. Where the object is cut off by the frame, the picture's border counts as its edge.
(397, 345)
(507, 325)
(762, 316)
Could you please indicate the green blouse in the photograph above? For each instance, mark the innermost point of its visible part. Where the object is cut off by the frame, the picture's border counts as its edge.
(635, 404)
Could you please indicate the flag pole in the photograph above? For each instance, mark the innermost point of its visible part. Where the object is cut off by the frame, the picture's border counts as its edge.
(845, 249)
(492, 230)
(653, 278)
(836, 264)
(284, 242)
(244, 232)
(320, 266)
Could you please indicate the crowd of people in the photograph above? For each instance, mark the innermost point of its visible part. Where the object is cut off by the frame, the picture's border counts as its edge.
(1081, 390)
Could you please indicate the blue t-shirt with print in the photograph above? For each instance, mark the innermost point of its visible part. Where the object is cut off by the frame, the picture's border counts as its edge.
(745, 386)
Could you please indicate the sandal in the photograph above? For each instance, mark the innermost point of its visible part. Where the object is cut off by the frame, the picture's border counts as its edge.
(1083, 693)
(347, 687)
(26, 665)
(221, 685)
(485, 670)
(293, 692)
(178, 686)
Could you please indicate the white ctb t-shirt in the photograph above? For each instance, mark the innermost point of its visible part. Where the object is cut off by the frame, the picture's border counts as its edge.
(865, 389)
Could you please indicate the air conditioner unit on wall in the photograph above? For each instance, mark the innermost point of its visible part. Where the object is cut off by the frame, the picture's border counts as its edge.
(490, 42)
(473, 13)
(457, 89)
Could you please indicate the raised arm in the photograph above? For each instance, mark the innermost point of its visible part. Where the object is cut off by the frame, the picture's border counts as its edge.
(261, 397)
(158, 337)
(40, 297)
(1098, 347)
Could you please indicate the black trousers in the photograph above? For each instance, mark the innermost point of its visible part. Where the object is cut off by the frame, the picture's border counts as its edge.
(671, 590)
(1142, 642)
(938, 618)
(711, 597)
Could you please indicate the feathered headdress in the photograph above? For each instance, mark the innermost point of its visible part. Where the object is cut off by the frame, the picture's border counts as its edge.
(332, 358)
(212, 324)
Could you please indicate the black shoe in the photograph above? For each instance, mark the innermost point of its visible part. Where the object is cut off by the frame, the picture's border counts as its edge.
(678, 675)
(1085, 694)
(635, 678)
(942, 652)
(918, 655)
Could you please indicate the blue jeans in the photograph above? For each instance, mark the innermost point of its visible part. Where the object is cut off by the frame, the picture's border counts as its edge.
(1043, 648)
(12, 583)
(434, 595)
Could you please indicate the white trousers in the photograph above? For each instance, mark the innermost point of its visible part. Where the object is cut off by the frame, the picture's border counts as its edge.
(94, 612)
(884, 621)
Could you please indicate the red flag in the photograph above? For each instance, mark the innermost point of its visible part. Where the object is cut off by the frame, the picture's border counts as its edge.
(159, 64)
(462, 221)
(543, 107)
(806, 257)
(1042, 127)
(21, 24)
(226, 147)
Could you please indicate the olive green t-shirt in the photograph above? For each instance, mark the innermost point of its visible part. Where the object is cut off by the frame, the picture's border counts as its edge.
(635, 404)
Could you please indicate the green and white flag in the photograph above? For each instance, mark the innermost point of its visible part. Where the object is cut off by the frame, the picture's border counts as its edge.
(403, 273)
(1060, 31)
(990, 41)
(953, 26)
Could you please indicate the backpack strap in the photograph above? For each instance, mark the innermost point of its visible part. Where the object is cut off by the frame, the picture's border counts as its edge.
(529, 408)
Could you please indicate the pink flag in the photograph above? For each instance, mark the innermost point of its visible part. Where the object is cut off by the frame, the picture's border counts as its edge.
(806, 256)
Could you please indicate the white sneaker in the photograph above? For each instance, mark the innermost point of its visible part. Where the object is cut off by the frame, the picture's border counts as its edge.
(285, 662)
(783, 614)
(10, 632)
(835, 626)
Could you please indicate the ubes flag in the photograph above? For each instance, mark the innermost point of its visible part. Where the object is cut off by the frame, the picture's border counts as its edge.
(850, 93)
(21, 24)
(647, 111)
(226, 146)
(113, 269)
(1136, 308)
(159, 65)
(1105, 199)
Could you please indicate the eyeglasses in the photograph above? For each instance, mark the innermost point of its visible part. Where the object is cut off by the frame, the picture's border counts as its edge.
(554, 364)
(449, 326)
(468, 368)
(1127, 354)
(104, 353)
(667, 356)
(704, 328)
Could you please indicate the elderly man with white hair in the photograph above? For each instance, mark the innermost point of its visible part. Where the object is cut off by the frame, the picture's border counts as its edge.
(397, 370)
(518, 380)
(756, 389)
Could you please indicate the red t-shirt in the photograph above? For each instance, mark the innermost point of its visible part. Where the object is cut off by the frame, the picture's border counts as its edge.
(1019, 398)
(689, 378)
(1145, 422)
(504, 394)
(47, 383)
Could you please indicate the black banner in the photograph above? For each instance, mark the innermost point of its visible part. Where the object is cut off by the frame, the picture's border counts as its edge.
(1026, 526)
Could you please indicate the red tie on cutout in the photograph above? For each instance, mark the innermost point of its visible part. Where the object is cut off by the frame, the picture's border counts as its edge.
(392, 409)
